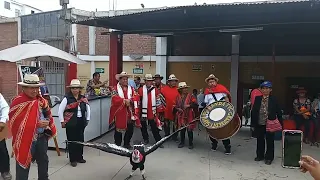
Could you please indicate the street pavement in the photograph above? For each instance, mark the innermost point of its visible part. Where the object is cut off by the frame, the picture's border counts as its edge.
(171, 163)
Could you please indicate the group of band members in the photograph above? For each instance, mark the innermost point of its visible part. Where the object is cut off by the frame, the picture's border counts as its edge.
(154, 101)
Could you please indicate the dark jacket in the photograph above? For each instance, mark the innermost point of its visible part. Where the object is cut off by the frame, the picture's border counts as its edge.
(74, 119)
(274, 110)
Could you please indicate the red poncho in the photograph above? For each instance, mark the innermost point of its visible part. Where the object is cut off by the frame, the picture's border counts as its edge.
(119, 112)
(218, 89)
(23, 122)
(188, 114)
(170, 94)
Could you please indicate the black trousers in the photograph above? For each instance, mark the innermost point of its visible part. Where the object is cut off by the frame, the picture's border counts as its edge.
(226, 143)
(315, 122)
(154, 129)
(144, 129)
(41, 158)
(183, 136)
(264, 137)
(127, 136)
(167, 124)
(4, 157)
(76, 133)
(300, 121)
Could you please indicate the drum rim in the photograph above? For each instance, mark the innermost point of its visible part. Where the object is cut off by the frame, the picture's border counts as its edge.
(228, 136)
(234, 113)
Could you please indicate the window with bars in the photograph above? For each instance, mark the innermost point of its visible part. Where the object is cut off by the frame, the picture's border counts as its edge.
(17, 12)
(54, 77)
(7, 5)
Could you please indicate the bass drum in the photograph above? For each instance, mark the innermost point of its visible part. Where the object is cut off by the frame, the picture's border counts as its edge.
(220, 120)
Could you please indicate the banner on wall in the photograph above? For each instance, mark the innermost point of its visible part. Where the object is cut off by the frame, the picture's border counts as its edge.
(34, 70)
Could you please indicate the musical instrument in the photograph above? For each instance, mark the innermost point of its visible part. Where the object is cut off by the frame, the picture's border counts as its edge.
(162, 100)
(134, 110)
(220, 120)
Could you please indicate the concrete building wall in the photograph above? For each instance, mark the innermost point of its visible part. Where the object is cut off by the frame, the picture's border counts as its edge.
(8, 71)
(16, 9)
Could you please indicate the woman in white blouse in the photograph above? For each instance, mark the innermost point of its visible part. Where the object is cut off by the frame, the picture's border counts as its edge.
(74, 115)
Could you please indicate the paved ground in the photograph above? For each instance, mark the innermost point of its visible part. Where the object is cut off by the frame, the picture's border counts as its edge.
(172, 163)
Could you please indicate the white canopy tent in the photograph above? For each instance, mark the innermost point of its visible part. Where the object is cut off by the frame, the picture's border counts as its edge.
(38, 51)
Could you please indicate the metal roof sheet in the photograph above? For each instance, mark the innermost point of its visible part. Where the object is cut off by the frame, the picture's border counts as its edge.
(144, 11)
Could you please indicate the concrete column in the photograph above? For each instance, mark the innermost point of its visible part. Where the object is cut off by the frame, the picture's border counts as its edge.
(116, 56)
(92, 40)
(234, 70)
(161, 57)
(93, 67)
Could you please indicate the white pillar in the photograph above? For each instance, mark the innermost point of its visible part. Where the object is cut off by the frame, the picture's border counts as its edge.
(92, 68)
(92, 40)
(234, 70)
(92, 47)
(161, 57)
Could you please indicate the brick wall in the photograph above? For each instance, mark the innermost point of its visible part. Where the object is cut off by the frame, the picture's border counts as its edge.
(102, 42)
(83, 39)
(132, 43)
(8, 71)
(139, 44)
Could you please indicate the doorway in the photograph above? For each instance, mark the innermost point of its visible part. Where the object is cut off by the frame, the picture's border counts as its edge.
(244, 92)
(312, 85)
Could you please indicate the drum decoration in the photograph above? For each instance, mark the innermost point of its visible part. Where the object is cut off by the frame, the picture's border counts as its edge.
(220, 120)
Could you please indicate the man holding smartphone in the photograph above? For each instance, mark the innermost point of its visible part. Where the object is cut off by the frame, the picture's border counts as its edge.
(4, 155)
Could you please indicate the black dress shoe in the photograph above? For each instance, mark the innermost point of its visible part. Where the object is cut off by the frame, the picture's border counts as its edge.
(190, 146)
(268, 162)
(82, 161)
(181, 145)
(74, 164)
(128, 146)
(146, 141)
(258, 159)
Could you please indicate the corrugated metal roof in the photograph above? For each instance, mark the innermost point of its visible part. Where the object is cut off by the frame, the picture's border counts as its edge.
(144, 11)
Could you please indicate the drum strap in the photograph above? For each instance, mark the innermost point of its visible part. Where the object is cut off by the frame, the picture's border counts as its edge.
(215, 98)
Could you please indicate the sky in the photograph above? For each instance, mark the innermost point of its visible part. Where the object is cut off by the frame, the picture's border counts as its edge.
(104, 5)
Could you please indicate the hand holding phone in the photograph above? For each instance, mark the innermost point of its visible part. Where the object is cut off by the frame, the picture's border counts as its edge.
(309, 164)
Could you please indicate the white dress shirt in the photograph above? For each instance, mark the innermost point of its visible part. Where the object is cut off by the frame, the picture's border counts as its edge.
(63, 105)
(4, 109)
(208, 99)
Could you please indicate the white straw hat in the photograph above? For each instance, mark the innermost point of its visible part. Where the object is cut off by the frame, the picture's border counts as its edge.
(31, 80)
(75, 83)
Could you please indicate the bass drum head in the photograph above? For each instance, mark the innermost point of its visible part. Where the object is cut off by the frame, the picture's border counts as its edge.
(227, 131)
(217, 115)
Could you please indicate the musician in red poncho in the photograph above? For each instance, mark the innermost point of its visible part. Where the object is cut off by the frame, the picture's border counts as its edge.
(170, 92)
(157, 81)
(150, 105)
(159, 85)
(217, 92)
(31, 125)
(186, 104)
(123, 110)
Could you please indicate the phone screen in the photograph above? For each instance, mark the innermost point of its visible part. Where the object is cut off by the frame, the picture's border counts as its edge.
(292, 149)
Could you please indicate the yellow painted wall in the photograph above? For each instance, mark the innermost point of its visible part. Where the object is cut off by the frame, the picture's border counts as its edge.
(84, 70)
(195, 79)
(84, 73)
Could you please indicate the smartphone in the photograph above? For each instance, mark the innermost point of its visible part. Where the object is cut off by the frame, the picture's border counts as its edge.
(291, 148)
